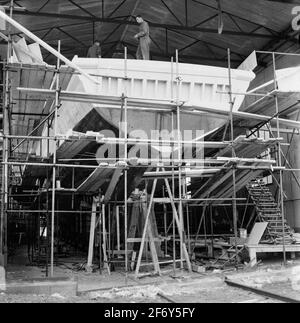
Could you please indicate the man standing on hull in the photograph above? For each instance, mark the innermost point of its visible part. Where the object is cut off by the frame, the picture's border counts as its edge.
(95, 50)
(143, 37)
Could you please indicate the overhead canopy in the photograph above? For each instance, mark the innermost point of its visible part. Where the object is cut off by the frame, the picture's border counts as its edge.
(188, 25)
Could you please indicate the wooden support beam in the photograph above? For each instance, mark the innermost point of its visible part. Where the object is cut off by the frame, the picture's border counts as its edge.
(134, 217)
(112, 185)
(118, 228)
(148, 231)
(104, 245)
(135, 240)
(214, 186)
(95, 180)
(92, 235)
(150, 234)
(242, 179)
(180, 229)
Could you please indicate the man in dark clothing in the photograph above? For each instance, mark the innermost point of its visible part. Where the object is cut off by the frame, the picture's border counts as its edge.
(95, 50)
(143, 37)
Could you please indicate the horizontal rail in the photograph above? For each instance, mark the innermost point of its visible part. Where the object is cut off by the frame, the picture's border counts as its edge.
(262, 292)
(162, 105)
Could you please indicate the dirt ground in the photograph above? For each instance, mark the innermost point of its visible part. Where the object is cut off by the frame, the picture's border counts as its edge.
(197, 291)
(213, 295)
(184, 288)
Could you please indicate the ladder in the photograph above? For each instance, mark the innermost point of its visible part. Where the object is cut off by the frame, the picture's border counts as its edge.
(269, 211)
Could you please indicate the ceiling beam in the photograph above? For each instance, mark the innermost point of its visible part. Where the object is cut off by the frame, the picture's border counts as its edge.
(152, 24)
(81, 8)
(272, 31)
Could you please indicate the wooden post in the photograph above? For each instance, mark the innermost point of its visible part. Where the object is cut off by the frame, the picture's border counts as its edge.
(112, 185)
(109, 232)
(134, 218)
(147, 229)
(118, 228)
(92, 235)
(188, 228)
(165, 224)
(150, 235)
(180, 230)
(104, 245)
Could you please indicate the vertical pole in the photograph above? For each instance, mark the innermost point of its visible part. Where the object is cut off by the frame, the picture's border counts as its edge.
(188, 228)
(109, 231)
(4, 167)
(174, 245)
(47, 201)
(165, 222)
(6, 143)
(39, 224)
(118, 228)
(179, 158)
(125, 156)
(104, 245)
(279, 163)
(173, 124)
(177, 218)
(54, 164)
(204, 225)
(146, 233)
(92, 235)
(235, 225)
(173, 167)
(212, 230)
(73, 187)
(100, 235)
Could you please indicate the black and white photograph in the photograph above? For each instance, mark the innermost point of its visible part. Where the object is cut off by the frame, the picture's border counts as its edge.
(150, 154)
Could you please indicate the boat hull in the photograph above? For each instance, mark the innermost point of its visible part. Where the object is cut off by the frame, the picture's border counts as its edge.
(152, 81)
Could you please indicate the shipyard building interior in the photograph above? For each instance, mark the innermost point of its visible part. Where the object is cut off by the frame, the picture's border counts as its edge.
(150, 143)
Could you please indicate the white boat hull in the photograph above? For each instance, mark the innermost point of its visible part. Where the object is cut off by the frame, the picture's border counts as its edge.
(202, 86)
